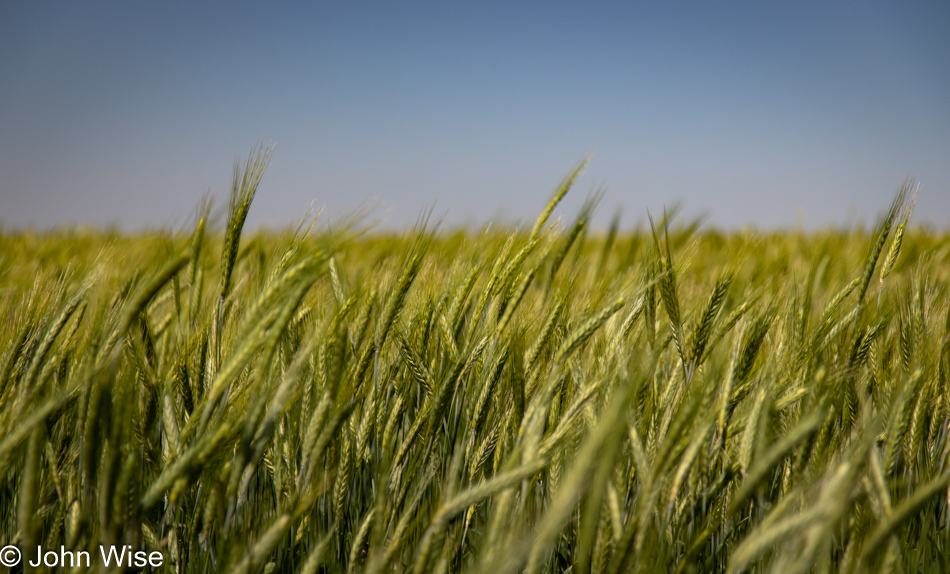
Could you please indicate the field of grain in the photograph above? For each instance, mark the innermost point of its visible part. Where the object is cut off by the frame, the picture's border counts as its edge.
(667, 399)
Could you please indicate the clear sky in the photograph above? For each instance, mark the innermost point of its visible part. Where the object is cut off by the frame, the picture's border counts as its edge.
(750, 112)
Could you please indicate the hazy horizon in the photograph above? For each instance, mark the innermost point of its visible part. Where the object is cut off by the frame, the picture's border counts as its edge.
(803, 114)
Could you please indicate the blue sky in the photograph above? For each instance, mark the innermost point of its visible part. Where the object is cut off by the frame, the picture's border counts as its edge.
(749, 112)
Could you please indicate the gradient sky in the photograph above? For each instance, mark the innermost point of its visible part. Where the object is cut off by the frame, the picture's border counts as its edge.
(750, 112)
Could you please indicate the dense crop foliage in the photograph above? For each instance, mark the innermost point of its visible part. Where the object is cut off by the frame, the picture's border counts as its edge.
(663, 400)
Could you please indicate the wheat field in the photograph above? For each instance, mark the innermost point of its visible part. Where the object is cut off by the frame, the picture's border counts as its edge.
(537, 399)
